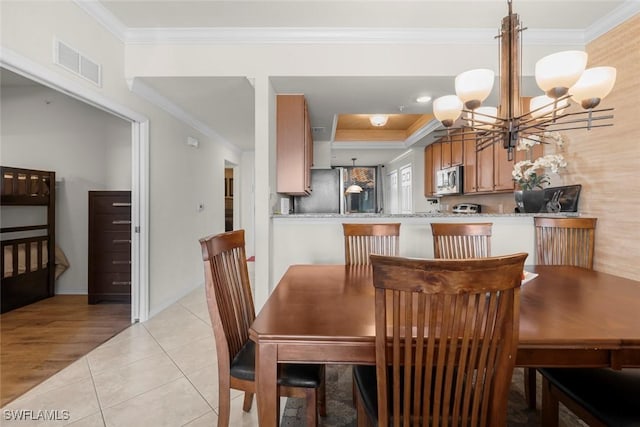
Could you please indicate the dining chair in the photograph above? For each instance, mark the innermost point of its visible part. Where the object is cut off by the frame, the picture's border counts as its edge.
(560, 241)
(362, 240)
(446, 336)
(565, 241)
(461, 240)
(599, 396)
(231, 309)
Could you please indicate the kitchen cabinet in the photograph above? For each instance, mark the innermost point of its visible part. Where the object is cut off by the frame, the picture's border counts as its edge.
(502, 168)
(451, 147)
(429, 173)
(484, 169)
(294, 145)
(470, 164)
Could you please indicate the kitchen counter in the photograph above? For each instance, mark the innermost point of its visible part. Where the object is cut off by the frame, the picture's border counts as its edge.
(319, 239)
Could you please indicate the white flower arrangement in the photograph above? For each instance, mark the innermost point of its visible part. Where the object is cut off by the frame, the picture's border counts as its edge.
(527, 173)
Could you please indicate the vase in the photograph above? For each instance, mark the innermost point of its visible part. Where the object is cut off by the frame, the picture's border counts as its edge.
(529, 201)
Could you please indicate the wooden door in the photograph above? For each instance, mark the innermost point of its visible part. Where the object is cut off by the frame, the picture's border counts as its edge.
(484, 171)
(470, 164)
(428, 171)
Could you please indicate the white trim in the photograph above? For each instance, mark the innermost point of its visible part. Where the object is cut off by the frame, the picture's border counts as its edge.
(140, 173)
(347, 35)
(137, 86)
(614, 18)
(108, 20)
(368, 145)
(400, 157)
(424, 131)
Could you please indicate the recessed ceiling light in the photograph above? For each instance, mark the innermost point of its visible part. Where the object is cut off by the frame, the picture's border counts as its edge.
(378, 120)
(423, 99)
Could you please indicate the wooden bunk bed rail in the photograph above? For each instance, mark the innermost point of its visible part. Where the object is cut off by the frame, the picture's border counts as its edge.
(28, 261)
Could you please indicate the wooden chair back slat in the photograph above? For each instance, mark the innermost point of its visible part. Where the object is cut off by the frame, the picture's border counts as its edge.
(362, 240)
(461, 240)
(565, 241)
(228, 291)
(446, 339)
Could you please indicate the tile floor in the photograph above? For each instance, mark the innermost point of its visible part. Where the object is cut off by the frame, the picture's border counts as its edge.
(162, 372)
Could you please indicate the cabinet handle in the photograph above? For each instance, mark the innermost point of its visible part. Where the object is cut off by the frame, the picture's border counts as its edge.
(121, 283)
(118, 222)
(116, 241)
(121, 205)
(120, 262)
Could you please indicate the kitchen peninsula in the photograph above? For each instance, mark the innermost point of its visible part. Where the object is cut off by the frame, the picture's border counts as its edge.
(318, 238)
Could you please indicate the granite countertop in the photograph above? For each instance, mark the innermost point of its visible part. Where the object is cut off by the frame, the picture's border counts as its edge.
(422, 215)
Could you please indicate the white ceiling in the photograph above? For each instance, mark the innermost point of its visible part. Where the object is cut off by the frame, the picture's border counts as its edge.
(225, 104)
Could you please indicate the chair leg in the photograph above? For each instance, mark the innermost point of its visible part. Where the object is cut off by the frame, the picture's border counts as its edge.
(224, 402)
(530, 387)
(312, 409)
(322, 394)
(248, 400)
(549, 412)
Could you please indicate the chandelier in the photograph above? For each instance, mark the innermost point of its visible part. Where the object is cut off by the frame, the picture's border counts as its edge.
(561, 76)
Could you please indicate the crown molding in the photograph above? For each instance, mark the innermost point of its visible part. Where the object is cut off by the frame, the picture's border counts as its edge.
(320, 35)
(611, 20)
(108, 20)
(147, 92)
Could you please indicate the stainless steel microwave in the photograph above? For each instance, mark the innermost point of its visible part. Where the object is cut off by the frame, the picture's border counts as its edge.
(449, 181)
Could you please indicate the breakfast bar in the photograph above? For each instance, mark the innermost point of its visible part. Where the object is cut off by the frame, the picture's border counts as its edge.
(318, 238)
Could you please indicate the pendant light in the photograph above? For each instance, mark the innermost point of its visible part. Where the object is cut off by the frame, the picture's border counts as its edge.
(353, 188)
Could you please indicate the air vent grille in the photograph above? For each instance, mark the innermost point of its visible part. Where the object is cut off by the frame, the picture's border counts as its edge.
(77, 63)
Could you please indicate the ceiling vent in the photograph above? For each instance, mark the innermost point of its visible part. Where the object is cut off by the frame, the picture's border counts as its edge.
(77, 63)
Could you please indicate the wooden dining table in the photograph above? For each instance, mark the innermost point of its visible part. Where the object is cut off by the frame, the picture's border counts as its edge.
(569, 316)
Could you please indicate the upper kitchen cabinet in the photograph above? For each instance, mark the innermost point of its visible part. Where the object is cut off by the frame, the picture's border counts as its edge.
(429, 173)
(452, 149)
(294, 146)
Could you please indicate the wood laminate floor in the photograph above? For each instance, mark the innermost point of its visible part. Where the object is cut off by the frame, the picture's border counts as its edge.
(38, 340)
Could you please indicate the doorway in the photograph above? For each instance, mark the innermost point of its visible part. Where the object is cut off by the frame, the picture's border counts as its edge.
(228, 199)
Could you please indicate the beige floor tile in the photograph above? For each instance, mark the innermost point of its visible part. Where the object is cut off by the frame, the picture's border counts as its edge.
(205, 381)
(207, 420)
(173, 404)
(94, 420)
(196, 303)
(123, 352)
(176, 327)
(195, 355)
(117, 385)
(69, 403)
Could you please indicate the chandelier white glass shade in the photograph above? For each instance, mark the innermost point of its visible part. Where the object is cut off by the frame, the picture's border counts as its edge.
(447, 109)
(561, 76)
(474, 86)
(557, 72)
(543, 107)
(482, 117)
(378, 120)
(593, 85)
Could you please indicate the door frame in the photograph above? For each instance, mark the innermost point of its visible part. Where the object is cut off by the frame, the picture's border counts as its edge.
(30, 69)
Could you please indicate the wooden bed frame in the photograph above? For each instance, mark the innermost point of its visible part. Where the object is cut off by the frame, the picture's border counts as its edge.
(27, 187)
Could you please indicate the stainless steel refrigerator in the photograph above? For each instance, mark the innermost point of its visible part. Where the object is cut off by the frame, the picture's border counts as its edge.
(326, 193)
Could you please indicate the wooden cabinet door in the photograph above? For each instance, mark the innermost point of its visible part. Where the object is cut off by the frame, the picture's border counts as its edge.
(294, 146)
(437, 157)
(502, 168)
(445, 149)
(484, 171)
(470, 164)
(428, 171)
(457, 148)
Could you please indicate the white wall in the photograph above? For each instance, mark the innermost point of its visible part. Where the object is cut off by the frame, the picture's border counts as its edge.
(86, 147)
(179, 176)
